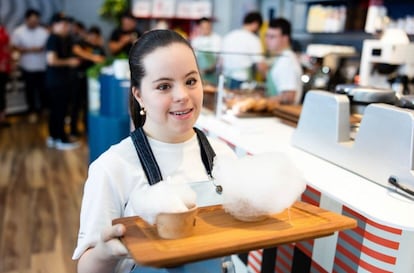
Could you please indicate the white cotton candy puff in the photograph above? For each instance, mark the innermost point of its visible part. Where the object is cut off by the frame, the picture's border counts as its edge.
(257, 185)
(186, 194)
(162, 197)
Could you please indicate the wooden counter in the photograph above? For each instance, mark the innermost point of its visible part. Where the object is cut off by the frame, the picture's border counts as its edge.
(289, 114)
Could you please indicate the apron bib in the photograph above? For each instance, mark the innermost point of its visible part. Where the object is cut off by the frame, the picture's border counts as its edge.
(207, 194)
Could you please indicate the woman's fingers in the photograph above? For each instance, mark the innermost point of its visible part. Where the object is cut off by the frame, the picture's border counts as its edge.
(113, 232)
(110, 245)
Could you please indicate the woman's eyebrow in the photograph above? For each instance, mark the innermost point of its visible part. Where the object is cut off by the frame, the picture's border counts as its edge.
(162, 79)
(170, 79)
(190, 73)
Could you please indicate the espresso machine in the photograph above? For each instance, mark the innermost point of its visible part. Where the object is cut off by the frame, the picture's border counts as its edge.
(388, 63)
(328, 65)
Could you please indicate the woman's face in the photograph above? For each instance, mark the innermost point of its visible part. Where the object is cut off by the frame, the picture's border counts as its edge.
(171, 93)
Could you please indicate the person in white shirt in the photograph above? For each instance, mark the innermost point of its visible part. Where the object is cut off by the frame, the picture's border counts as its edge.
(283, 80)
(165, 103)
(206, 46)
(242, 52)
(29, 39)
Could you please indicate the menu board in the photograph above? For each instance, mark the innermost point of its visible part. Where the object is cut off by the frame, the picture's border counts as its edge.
(186, 9)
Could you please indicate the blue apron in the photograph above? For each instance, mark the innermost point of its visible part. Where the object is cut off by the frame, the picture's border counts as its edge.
(207, 194)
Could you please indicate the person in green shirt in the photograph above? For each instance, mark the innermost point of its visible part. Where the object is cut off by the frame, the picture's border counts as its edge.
(283, 79)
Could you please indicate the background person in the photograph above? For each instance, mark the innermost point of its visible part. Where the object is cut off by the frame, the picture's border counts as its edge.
(166, 100)
(242, 52)
(90, 51)
(78, 30)
(123, 37)
(207, 46)
(283, 80)
(59, 80)
(29, 39)
(5, 67)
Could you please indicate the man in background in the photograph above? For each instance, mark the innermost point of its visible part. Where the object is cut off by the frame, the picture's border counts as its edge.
(29, 39)
(60, 78)
(283, 80)
(206, 45)
(90, 51)
(242, 52)
(123, 37)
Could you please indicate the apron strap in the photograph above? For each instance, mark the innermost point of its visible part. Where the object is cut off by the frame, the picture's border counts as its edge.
(207, 152)
(146, 156)
(149, 163)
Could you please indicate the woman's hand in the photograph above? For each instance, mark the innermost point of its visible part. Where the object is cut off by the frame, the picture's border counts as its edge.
(105, 255)
(110, 247)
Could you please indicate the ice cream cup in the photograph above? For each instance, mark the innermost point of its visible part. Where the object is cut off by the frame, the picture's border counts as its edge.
(175, 225)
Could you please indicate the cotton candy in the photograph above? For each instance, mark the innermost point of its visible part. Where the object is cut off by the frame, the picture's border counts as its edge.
(258, 185)
(162, 197)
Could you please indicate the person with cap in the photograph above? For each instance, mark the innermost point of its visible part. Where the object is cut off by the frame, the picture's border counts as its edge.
(123, 37)
(59, 79)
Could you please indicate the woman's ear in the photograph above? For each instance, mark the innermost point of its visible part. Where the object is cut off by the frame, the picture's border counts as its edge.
(137, 95)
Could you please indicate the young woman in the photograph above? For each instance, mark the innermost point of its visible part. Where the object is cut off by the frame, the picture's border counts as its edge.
(165, 101)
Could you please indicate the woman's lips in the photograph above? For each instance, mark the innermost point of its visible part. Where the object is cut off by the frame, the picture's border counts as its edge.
(182, 112)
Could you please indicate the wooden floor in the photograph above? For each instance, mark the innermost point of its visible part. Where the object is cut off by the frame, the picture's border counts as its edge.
(40, 195)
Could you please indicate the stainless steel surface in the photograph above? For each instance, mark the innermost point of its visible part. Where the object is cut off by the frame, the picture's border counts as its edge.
(406, 101)
(361, 96)
(370, 95)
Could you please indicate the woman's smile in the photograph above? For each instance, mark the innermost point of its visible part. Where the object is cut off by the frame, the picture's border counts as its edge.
(183, 114)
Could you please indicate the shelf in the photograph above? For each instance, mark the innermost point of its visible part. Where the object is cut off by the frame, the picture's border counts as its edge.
(338, 36)
(166, 18)
(333, 2)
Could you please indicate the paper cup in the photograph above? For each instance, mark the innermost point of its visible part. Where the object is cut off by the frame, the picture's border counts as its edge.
(176, 225)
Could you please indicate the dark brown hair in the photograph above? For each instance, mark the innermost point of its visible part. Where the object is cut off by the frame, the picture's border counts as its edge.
(282, 24)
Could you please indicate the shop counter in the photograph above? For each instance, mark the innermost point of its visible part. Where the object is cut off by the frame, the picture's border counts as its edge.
(383, 239)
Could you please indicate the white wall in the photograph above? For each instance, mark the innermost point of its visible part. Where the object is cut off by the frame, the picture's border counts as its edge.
(87, 11)
(12, 11)
(228, 13)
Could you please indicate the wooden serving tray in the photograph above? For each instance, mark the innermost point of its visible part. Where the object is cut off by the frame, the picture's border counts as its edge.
(218, 234)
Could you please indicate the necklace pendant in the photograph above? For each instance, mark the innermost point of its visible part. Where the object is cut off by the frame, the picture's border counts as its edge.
(219, 189)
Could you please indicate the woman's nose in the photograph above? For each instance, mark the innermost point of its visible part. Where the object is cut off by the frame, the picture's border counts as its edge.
(181, 93)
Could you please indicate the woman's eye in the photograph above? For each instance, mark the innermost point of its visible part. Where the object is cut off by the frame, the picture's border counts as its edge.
(163, 86)
(191, 82)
